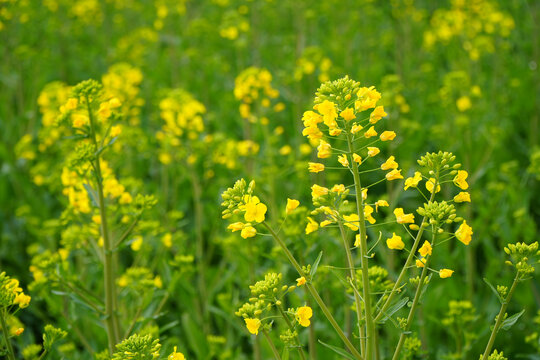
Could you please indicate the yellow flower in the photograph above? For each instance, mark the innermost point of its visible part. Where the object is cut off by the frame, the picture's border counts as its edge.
(137, 243)
(343, 160)
(22, 300)
(463, 103)
(431, 183)
(72, 104)
(318, 191)
(248, 231)
(464, 233)
(357, 240)
(237, 226)
(104, 111)
(176, 355)
(462, 197)
(18, 331)
(79, 120)
(325, 223)
(460, 180)
(253, 325)
(311, 118)
(335, 132)
(166, 240)
(380, 203)
(372, 151)
(395, 242)
(389, 164)
(357, 158)
(445, 273)
(114, 103)
(291, 205)
(356, 128)
(403, 218)
(338, 188)
(351, 221)
(371, 132)
(312, 132)
(328, 110)
(303, 314)
(348, 114)
(300, 281)
(394, 175)
(368, 210)
(324, 150)
(420, 263)
(426, 249)
(377, 114)
(388, 136)
(255, 210)
(367, 98)
(315, 167)
(311, 226)
(413, 181)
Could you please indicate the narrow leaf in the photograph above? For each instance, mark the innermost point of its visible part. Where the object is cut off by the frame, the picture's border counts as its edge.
(394, 308)
(507, 324)
(493, 289)
(337, 350)
(315, 265)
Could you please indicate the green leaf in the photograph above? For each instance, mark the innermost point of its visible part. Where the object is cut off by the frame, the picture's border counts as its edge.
(337, 350)
(393, 309)
(315, 265)
(507, 324)
(493, 289)
(196, 338)
(92, 194)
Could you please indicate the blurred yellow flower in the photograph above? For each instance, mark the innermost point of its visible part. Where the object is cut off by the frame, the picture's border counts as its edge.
(395, 242)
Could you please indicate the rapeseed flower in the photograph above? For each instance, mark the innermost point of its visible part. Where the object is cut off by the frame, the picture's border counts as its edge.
(303, 314)
(426, 249)
(403, 218)
(253, 325)
(395, 242)
(464, 233)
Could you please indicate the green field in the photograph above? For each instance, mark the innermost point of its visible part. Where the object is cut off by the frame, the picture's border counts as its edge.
(269, 179)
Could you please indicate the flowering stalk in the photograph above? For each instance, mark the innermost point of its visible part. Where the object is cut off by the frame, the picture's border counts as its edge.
(5, 331)
(500, 319)
(313, 292)
(291, 327)
(408, 263)
(111, 319)
(370, 325)
(416, 299)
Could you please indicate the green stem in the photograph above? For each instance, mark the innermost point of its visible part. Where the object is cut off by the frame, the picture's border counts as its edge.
(272, 346)
(111, 319)
(414, 304)
(408, 263)
(370, 324)
(291, 327)
(500, 318)
(5, 330)
(352, 274)
(313, 292)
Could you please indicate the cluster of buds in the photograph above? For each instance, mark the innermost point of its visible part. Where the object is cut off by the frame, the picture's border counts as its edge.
(138, 347)
(233, 198)
(439, 213)
(521, 254)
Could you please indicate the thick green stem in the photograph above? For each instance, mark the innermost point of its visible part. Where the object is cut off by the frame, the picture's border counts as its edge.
(313, 292)
(408, 263)
(5, 330)
(357, 300)
(414, 304)
(370, 324)
(111, 318)
(272, 346)
(500, 319)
